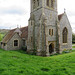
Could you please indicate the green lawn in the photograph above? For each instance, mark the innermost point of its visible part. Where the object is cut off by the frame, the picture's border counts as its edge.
(19, 63)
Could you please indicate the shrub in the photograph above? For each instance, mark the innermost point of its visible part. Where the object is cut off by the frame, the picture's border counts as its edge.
(73, 38)
(66, 51)
(24, 48)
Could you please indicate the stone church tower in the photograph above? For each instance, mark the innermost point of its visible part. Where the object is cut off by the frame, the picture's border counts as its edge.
(43, 28)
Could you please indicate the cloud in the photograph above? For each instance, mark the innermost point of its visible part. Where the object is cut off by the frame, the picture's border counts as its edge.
(73, 30)
(17, 12)
(12, 21)
(13, 13)
(13, 10)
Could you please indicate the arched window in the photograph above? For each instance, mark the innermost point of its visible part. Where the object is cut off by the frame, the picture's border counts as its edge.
(65, 34)
(38, 2)
(51, 32)
(52, 3)
(34, 4)
(47, 2)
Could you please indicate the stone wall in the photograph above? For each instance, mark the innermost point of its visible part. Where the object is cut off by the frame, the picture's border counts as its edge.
(64, 22)
(10, 44)
(51, 19)
(38, 30)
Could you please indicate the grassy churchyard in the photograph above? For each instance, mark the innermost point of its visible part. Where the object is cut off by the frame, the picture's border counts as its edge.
(20, 63)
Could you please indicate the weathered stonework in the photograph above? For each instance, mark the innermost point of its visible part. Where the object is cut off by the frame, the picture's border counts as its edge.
(43, 18)
(44, 34)
(15, 34)
(64, 22)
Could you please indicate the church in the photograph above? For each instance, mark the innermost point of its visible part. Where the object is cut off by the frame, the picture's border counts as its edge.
(48, 32)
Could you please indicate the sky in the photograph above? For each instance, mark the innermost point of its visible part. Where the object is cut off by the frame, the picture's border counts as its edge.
(15, 13)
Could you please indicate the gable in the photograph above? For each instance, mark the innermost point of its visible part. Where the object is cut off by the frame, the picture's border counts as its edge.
(18, 30)
(15, 37)
(60, 16)
(23, 34)
(64, 21)
(8, 36)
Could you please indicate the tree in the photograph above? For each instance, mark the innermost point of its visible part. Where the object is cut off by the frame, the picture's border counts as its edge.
(73, 38)
(0, 37)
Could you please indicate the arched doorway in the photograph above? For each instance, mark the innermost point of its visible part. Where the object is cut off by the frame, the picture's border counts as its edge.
(51, 48)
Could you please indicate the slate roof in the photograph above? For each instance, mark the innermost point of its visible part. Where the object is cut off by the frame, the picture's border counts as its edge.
(10, 34)
(24, 31)
(60, 16)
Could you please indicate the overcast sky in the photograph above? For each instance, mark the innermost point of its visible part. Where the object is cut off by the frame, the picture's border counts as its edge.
(17, 12)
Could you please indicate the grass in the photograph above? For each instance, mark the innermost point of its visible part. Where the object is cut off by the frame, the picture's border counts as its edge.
(19, 63)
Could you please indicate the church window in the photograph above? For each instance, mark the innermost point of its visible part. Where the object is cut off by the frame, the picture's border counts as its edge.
(49, 31)
(65, 33)
(4, 44)
(34, 4)
(52, 3)
(38, 2)
(52, 31)
(15, 42)
(47, 2)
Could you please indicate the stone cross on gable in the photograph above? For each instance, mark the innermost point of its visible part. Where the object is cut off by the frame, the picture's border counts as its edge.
(64, 10)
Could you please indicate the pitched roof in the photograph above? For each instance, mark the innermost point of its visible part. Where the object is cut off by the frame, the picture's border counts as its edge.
(10, 34)
(60, 16)
(24, 31)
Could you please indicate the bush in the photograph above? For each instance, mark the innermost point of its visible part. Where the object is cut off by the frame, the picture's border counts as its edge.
(66, 51)
(24, 48)
(73, 38)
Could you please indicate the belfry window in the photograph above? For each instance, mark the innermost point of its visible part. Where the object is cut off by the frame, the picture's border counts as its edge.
(47, 2)
(34, 4)
(51, 32)
(65, 34)
(37, 2)
(52, 3)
